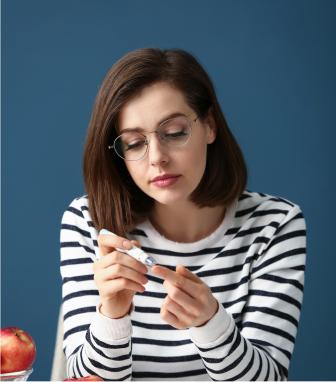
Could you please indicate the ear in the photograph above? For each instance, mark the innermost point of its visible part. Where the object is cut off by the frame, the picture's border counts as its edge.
(211, 128)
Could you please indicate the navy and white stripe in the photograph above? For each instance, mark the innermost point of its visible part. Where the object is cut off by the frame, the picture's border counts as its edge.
(254, 264)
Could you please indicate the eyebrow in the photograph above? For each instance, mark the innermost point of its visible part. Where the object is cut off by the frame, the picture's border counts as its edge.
(162, 120)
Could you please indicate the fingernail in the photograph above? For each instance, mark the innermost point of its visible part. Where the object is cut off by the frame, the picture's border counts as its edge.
(127, 244)
(105, 232)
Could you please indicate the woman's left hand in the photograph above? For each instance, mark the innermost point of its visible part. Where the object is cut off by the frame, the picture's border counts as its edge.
(189, 302)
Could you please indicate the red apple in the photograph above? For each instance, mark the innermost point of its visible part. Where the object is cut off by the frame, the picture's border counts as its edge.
(88, 378)
(18, 350)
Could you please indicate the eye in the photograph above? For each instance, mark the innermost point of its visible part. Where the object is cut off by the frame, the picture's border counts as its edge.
(175, 129)
(176, 134)
(133, 145)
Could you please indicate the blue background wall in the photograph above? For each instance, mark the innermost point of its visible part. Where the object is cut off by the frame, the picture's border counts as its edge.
(273, 64)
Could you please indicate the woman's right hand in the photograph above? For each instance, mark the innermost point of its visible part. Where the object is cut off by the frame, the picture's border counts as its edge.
(117, 276)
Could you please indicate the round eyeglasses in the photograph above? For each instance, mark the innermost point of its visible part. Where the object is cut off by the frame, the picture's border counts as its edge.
(132, 145)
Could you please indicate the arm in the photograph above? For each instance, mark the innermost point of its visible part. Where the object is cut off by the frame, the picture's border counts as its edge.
(261, 348)
(93, 344)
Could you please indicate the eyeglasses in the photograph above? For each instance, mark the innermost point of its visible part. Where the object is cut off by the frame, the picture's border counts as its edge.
(133, 145)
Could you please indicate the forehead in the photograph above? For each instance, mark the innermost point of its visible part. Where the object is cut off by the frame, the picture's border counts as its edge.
(152, 104)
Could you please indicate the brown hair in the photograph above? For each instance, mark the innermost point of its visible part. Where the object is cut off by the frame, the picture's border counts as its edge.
(115, 201)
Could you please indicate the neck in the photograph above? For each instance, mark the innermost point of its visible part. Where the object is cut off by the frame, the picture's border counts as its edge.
(187, 223)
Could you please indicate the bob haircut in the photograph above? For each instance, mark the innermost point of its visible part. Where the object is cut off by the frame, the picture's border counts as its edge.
(115, 201)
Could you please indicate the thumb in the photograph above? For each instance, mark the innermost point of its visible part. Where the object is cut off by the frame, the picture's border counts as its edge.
(183, 271)
(136, 243)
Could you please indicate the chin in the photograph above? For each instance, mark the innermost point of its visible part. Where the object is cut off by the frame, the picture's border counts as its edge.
(169, 200)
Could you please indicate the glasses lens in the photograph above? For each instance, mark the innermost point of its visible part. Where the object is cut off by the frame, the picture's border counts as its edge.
(175, 132)
(130, 145)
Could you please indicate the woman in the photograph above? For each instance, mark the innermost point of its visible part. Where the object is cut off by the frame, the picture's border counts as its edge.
(162, 171)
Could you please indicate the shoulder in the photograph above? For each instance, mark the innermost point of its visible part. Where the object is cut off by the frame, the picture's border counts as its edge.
(253, 201)
(76, 221)
(77, 233)
(265, 209)
(80, 203)
(78, 208)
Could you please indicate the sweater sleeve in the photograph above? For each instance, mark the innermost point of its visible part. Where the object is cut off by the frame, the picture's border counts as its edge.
(93, 344)
(260, 348)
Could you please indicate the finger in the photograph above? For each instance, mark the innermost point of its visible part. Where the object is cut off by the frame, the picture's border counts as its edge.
(116, 257)
(178, 280)
(108, 242)
(120, 284)
(136, 243)
(177, 310)
(180, 297)
(183, 271)
(117, 270)
(170, 318)
(168, 274)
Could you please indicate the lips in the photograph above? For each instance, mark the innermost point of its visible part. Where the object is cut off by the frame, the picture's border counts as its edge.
(166, 180)
(164, 177)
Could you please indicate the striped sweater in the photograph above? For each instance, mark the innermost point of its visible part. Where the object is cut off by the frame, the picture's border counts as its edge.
(253, 262)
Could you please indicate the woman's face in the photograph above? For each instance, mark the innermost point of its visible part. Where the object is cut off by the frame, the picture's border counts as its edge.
(186, 164)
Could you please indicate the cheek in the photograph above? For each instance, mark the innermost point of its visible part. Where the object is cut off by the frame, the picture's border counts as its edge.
(137, 174)
(198, 158)
(201, 165)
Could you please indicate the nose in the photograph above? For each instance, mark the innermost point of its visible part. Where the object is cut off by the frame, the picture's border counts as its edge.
(157, 152)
